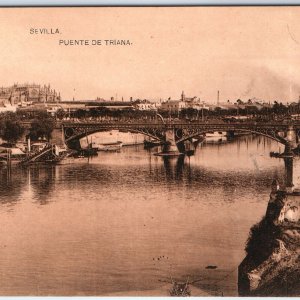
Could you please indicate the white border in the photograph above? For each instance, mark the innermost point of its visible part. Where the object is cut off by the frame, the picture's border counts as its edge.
(24, 3)
(144, 2)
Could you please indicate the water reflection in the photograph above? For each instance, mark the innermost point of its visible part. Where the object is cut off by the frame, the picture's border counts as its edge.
(42, 181)
(106, 169)
(289, 165)
(174, 167)
(107, 218)
(11, 185)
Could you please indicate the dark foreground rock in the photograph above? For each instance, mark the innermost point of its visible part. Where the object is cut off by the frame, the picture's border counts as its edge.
(272, 264)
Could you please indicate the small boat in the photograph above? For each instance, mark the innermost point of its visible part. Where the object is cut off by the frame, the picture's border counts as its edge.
(115, 146)
(216, 134)
(152, 143)
(47, 154)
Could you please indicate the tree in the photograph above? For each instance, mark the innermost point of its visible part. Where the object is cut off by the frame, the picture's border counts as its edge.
(80, 113)
(12, 131)
(11, 128)
(42, 126)
(279, 108)
(94, 113)
(60, 114)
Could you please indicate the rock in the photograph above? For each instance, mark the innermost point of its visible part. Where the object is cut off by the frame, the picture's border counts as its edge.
(272, 264)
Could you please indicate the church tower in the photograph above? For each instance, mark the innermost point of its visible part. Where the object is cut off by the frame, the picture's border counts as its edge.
(182, 96)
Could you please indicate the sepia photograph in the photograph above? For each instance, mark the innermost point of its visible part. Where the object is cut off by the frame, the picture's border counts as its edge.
(150, 151)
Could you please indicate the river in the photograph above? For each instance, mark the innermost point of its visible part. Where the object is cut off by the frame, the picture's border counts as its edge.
(129, 221)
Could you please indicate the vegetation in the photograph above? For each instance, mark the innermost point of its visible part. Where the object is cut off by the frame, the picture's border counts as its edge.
(41, 127)
(60, 114)
(11, 128)
(42, 124)
(259, 112)
(112, 114)
(262, 240)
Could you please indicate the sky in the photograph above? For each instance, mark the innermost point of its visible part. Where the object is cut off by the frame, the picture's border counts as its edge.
(243, 52)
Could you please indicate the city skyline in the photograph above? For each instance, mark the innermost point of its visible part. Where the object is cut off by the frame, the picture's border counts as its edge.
(27, 90)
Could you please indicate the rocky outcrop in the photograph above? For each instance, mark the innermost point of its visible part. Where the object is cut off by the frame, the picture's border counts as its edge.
(272, 264)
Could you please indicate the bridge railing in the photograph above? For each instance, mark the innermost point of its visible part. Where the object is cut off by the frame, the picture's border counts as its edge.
(177, 124)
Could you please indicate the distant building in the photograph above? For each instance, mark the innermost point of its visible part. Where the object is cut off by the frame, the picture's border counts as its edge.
(226, 105)
(173, 105)
(191, 102)
(26, 94)
(99, 99)
(182, 103)
(144, 105)
(176, 105)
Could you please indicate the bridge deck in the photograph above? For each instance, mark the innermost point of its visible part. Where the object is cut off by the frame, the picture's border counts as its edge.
(273, 125)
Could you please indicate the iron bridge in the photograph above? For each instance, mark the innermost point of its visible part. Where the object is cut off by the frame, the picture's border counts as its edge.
(182, 130)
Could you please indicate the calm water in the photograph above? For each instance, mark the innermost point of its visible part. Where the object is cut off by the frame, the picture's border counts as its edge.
(98, 227)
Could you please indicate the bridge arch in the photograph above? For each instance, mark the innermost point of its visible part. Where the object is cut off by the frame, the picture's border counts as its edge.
(72, 134)
(272, 134)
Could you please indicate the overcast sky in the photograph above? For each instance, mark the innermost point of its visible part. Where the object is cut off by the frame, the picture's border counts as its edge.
(243, 52)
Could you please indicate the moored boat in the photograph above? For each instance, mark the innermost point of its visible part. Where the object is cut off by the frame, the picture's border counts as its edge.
(216, 134)
(152, 143)
(115, 146)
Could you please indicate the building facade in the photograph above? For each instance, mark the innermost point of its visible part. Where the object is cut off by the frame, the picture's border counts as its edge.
(25, 94)
(144, 105)
(182, 103)
(173, 105)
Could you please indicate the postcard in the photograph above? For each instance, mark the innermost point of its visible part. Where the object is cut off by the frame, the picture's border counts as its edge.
(150, 151)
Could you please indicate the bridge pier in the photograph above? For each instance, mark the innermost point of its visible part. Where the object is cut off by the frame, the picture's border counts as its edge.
(291, 141)
(170, 146)
(230, 134)
(57, 137)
